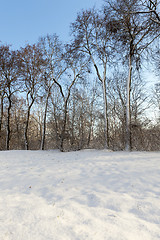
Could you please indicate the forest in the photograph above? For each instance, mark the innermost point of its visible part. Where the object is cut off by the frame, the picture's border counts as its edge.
(90, 92)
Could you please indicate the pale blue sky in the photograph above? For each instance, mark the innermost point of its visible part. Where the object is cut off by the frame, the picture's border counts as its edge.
(24, 22)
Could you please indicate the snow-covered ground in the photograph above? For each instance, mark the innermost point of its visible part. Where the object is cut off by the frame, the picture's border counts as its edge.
(85, 195)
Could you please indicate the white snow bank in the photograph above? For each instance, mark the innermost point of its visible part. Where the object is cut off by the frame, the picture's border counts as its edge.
(85, 195)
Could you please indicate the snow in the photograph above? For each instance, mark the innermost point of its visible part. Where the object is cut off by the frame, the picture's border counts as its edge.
(83, 195)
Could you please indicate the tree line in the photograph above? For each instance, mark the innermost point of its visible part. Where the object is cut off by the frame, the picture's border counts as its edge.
(89, 92)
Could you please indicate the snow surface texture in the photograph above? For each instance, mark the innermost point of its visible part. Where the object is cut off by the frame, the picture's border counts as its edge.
(85, 195)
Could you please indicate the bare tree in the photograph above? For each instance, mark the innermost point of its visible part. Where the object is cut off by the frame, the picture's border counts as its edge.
(17, 122)
(93, 38)
(2, 95)
(76, 69)
(52, 50)
(117, 96)
(31, 73)
(151, 8)
(9, 77)
(132, 32)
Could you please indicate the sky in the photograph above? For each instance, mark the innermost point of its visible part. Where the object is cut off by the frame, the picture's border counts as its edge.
(23, 22)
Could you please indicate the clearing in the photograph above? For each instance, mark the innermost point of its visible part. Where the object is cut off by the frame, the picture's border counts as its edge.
(84, 195)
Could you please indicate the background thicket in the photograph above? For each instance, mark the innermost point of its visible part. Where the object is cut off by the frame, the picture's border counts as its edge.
(91, 92)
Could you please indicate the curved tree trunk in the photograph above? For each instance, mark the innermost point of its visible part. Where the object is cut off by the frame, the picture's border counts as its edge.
(26, 127)
(103, 81)
(26, 131)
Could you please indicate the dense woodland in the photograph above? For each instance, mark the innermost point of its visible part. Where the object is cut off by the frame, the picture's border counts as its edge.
(90, 92)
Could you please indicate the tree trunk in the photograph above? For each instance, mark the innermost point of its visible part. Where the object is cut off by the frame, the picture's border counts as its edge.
(56, 123)
(63, 128)
(56, 129)
(90, 131)
(1, 113)
(103, 81)
(26, 130)
(91, 123)
(81, 129)
(44, 124)
(72, 124)
(8, 124)
(17, 122)
(26, 127)
(106, 134)
(1, 119)
(128, 110)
